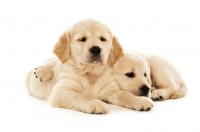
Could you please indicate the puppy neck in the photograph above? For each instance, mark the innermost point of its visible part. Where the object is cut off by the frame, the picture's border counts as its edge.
(94, 70)
(88, 69)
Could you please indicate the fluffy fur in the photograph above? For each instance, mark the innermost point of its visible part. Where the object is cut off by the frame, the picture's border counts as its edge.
(81, 77)
(167, 82)
(132, 74)
(161, 76)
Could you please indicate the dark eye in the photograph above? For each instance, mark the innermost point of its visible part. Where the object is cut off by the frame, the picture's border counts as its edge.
(102, 39)
(130, 74)
(145, 74)
(83, 39)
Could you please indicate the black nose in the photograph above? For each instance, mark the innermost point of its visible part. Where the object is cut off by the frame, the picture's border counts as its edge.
(95, 50)
(144, 89)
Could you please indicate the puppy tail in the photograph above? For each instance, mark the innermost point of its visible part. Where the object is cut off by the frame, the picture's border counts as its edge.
(181, 92)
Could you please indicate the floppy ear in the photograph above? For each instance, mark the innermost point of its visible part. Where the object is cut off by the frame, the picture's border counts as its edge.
(149, 80)
(116, 52)
(61, 49)
(149, 77)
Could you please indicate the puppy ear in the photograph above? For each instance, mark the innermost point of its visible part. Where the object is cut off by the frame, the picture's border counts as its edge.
(149, 77)
(61, 49)
(116, 52)
(149, 80)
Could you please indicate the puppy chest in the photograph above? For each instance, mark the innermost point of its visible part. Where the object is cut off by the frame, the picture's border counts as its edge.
(95, 83)
(91, 78)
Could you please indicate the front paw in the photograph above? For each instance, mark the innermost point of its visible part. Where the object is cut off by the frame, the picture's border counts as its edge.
(143, 104)
(159, 95)
(96, 106)
(43, 73)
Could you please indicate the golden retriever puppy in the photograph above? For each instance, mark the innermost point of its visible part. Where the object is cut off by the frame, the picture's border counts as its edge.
(82, 76)
(167, 82)
(132, 74)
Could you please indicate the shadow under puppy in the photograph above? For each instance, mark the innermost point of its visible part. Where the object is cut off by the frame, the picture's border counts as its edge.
(81, 77)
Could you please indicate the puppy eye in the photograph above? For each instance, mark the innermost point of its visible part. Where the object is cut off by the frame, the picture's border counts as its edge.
(102, 39)
(145, 74)
(130, 74)
(83, 39)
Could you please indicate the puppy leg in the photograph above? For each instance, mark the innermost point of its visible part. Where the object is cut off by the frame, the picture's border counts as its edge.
(41, 87)
(27, 81)
(126, 99)
(43, 73)
(166, 85)
(166, 79)
(37, 88)
(130, 101)
(72, 97)
(181, 92)
(162, 94)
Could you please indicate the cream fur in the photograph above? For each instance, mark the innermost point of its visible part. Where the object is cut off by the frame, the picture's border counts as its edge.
(76, 81)
(132, 63)
(167, 82)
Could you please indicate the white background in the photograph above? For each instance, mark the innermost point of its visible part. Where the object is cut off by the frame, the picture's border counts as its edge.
(30, 28)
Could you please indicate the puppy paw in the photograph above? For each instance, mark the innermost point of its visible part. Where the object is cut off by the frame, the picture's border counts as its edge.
(96, 106)
(43, 73)
(159, 94)
(143, 104)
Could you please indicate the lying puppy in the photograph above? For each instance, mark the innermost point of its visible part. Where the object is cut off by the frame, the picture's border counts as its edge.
(167, 82)
(132, 74)
(82, 75)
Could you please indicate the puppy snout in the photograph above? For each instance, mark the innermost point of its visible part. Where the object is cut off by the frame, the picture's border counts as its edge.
(144, 90)
(95, 50)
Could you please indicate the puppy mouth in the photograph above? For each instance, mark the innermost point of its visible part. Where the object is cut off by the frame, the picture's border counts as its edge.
(95, 59)
(94, 62)
(138, 93)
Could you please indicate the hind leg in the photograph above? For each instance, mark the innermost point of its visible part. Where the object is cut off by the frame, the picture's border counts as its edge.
(40, 81)
(162, 94)
(37, 88)
(43, 73)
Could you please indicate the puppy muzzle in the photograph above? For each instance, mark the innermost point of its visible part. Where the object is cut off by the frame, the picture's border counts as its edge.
(95, 50)
(144, 90)
(95, 54)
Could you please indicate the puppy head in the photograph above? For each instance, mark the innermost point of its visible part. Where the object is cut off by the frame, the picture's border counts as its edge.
(88, 42)
(132, 74)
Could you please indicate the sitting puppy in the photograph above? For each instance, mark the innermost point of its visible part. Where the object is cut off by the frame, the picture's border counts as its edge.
(167, 82)
(82, 75)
